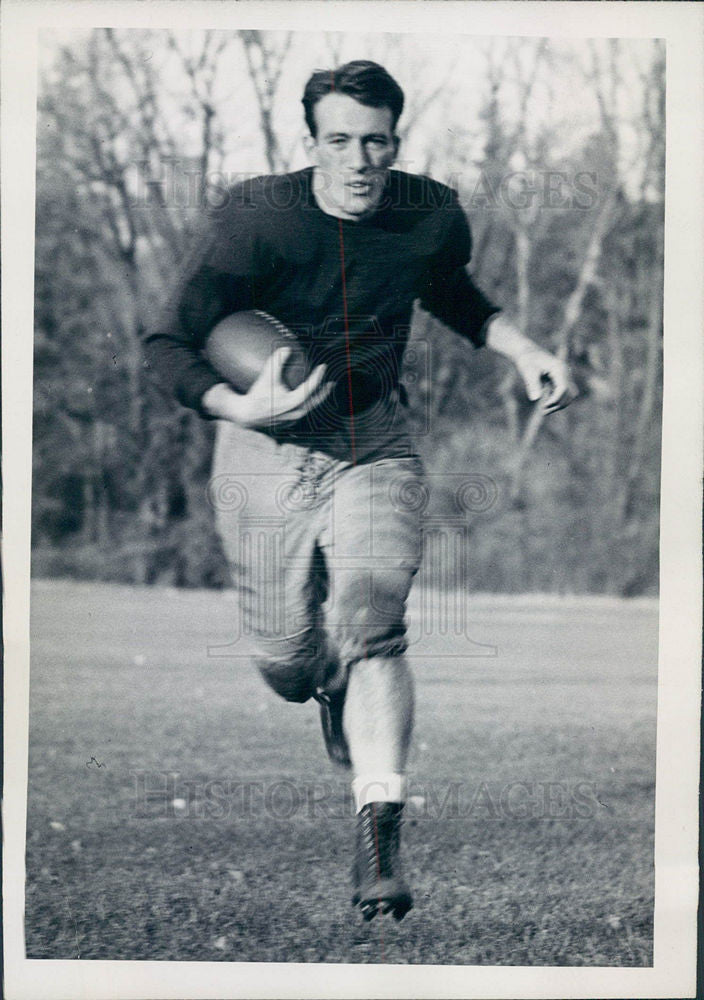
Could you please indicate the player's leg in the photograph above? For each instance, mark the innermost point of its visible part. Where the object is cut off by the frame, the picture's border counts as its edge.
(374, 554)
(378, 721)
(378, 715)
(367, 714)
(266, 519)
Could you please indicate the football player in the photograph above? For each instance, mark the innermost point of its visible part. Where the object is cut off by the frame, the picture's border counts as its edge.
(338, 252)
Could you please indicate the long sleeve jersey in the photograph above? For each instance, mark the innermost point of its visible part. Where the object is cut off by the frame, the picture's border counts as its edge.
(346, 288)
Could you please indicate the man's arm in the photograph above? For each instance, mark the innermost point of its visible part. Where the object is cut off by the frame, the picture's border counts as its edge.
(452, 296)
(268, 402)
(202, 294)
(538, 368)
(220, 276)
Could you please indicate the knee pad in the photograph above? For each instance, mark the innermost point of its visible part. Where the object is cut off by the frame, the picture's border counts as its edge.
(295, 667)
(290, 681)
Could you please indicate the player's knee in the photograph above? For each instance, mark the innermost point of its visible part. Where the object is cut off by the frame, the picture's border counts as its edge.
(292, 668)
(371, 631)
(369, 617)
(293, 683)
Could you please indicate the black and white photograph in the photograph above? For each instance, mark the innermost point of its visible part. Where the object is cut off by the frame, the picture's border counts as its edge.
(347, 560)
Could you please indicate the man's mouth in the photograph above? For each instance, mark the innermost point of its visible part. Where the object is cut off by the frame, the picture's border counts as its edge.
(360, 187)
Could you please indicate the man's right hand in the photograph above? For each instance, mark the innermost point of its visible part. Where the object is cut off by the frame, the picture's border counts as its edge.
(268, 403)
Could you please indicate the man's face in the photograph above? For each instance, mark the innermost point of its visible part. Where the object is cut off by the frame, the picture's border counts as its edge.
(353, 151)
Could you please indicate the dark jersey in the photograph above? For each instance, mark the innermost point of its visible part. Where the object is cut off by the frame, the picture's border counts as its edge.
(346, 288)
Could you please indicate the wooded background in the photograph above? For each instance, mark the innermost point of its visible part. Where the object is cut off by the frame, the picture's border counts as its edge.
(558, 151)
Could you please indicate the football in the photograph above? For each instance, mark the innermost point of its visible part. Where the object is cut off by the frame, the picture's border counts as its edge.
(239, 346)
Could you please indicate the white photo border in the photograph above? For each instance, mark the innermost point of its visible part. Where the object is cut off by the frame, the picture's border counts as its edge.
(679, 685)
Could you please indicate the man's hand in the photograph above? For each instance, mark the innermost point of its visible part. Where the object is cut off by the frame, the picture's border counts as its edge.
(268, 403)
(545, 376)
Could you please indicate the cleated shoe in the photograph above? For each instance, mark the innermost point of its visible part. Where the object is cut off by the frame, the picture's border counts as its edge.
(379, 885)
(331, 706)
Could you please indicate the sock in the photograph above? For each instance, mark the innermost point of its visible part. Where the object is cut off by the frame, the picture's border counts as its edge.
(378, 788)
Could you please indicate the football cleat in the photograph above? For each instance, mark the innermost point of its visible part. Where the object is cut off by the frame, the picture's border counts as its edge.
(379, 886)
(331, 706)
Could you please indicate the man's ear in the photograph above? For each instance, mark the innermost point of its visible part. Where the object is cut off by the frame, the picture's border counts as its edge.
(397, 146)
(310, 145)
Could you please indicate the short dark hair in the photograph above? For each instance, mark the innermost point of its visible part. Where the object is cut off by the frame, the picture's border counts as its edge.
(365, 81)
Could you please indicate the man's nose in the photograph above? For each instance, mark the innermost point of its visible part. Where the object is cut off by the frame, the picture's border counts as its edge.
(357, 155)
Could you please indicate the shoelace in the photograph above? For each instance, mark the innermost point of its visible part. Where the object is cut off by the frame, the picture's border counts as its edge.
(380, 832)
(310, 469)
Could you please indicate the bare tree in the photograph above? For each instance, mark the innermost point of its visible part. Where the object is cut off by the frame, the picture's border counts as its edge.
(109, 130)
(128, 120)
(201, 70)
(266, 55)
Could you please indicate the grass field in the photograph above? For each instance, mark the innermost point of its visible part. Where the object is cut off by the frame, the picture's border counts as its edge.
(178, 810)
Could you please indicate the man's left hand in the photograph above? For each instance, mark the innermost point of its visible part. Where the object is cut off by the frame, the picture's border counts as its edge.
(546, 377)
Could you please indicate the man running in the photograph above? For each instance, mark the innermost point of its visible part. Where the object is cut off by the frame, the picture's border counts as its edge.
(323, 544)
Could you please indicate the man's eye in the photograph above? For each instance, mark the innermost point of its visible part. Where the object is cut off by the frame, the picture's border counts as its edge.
(338, 142)
(378, 142)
